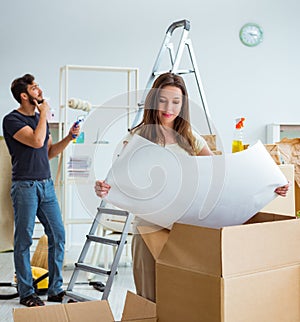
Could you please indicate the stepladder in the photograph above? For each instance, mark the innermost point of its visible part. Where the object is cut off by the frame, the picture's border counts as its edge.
(176, 50)
(93, 239)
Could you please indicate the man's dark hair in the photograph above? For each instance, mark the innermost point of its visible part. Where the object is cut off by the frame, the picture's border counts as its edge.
(19, 86)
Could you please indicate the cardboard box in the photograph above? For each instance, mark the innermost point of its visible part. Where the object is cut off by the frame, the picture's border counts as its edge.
(73, 312)
(290, 154)
(6, 208)
(239, 273)
(136, 309)
(210, 140)
(273, 149)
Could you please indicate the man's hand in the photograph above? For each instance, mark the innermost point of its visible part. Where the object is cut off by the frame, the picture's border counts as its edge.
(43, 108)
(74, 131)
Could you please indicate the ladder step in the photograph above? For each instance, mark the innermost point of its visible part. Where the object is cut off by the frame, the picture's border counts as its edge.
(103, 240)
(79, 297)
(92, 269)
(113, 211)
(179, 72)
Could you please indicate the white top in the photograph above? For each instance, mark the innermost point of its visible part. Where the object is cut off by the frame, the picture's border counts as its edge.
(175, 147)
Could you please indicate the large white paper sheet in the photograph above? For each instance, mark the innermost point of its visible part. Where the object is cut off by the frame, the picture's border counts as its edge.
(162, 187)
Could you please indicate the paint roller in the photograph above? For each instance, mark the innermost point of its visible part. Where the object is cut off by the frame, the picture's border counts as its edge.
(78, 104)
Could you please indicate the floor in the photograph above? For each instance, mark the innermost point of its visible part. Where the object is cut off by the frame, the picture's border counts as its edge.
(122, 282)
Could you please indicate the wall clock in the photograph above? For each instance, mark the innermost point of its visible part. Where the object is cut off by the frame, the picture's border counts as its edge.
(251, 34)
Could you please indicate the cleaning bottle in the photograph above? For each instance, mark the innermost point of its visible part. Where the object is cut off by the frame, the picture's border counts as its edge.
(80, 137)
(237, 143)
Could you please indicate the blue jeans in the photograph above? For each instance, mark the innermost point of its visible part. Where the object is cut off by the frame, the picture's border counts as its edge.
(30, 199)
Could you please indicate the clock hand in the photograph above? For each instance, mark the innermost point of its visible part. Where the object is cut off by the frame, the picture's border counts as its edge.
(253, 34)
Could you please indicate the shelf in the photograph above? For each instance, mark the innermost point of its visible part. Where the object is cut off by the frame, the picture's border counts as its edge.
(276, 132)
(108, 122)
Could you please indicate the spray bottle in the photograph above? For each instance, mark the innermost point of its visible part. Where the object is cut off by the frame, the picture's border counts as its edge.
(237, 143)
(80, 138)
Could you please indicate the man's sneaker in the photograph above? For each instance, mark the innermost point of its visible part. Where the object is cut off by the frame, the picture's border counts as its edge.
(32, 300)
(59, 298)
(56, 298)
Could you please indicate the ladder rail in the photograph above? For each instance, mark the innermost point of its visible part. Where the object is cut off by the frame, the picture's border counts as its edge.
(117, 257)
(180, 50)
(199, 84)
(171, 52)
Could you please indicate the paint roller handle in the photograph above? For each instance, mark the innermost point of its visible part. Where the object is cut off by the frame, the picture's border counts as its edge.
(75, 125)
(177, 24)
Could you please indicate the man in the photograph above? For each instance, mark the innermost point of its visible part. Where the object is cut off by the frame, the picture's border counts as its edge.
(29, 141)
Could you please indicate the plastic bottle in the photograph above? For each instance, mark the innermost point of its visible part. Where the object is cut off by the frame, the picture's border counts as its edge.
(80, 137)
(237, 143)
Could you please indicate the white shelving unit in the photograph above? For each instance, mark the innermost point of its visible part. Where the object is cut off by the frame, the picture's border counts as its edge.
(114, 105)
(276, 132)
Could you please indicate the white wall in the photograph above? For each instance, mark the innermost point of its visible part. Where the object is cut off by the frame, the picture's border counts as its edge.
(259, 83)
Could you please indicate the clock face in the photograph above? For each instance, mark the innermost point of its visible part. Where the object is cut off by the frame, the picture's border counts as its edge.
(251, 34)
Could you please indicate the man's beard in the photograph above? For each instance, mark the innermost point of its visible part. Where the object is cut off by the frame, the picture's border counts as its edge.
(33, 100)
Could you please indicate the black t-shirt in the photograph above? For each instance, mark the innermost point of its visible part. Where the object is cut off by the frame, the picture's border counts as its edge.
(27, 163)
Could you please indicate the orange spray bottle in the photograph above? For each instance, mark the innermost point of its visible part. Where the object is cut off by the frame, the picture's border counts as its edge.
(237, 143)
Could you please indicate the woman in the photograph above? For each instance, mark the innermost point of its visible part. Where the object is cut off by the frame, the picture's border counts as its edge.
(166, 121)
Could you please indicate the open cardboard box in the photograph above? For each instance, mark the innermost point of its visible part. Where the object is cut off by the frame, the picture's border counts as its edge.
(136, 309)
(246, 273)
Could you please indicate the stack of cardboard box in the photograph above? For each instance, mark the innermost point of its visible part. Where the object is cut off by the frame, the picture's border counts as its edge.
(244, 273)
(211, 142)
(248, 273)
(6, 208)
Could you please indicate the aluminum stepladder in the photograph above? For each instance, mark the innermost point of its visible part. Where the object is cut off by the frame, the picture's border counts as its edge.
(175, 59)
(93, 238)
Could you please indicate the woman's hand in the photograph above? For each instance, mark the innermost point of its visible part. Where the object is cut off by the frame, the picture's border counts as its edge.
(101, 188)
(282, 191)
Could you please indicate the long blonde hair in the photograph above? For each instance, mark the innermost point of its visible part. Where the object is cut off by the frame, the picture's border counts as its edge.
(182, 127)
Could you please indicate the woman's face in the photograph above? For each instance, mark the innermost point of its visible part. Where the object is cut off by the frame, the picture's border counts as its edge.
(169, 105)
